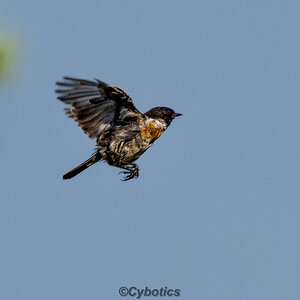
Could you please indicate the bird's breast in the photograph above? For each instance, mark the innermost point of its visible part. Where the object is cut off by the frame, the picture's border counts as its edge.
(152, 130)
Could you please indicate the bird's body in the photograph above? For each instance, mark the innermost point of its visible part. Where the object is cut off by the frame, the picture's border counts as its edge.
(127, 142)
(108, 114)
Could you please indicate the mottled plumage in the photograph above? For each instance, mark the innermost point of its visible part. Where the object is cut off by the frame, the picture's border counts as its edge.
(107, 114)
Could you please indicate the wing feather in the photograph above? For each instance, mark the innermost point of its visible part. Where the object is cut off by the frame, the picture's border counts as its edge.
(94, 105)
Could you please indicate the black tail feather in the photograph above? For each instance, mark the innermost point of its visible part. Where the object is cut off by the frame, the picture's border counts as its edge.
(95, 158)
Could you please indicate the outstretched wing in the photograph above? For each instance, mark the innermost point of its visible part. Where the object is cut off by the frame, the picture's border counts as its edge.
(95, 105)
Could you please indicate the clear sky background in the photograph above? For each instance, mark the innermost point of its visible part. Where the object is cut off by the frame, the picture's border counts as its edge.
(216, 209)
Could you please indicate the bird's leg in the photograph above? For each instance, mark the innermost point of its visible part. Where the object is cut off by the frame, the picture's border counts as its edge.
(132, 171)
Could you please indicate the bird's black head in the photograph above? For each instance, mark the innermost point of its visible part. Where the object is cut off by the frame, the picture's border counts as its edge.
(165, 113)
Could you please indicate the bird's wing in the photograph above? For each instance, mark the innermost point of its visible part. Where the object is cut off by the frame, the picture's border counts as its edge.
(95, 105)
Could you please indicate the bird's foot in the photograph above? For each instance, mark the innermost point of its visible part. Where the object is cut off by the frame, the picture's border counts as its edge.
(131, 171)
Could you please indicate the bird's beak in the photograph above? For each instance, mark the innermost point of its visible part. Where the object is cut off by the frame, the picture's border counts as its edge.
(177, 115)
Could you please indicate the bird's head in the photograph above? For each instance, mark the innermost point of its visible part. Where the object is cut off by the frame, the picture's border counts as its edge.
(164, 113)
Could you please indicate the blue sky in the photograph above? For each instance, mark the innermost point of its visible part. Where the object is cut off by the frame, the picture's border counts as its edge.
(215, 211)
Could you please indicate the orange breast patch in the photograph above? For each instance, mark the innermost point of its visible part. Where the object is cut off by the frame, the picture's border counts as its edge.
(151, 132)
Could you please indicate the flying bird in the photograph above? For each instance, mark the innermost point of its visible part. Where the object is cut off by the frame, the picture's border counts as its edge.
(107, 114)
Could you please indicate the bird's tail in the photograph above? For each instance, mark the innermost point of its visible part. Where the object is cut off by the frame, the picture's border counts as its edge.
(95, 158)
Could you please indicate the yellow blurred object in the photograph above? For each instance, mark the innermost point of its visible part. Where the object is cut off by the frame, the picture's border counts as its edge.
(8, 46)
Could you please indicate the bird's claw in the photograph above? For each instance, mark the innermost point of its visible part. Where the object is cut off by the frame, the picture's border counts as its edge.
(130, 173)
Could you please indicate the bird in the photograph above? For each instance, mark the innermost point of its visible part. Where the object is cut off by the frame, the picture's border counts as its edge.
(107, 113)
